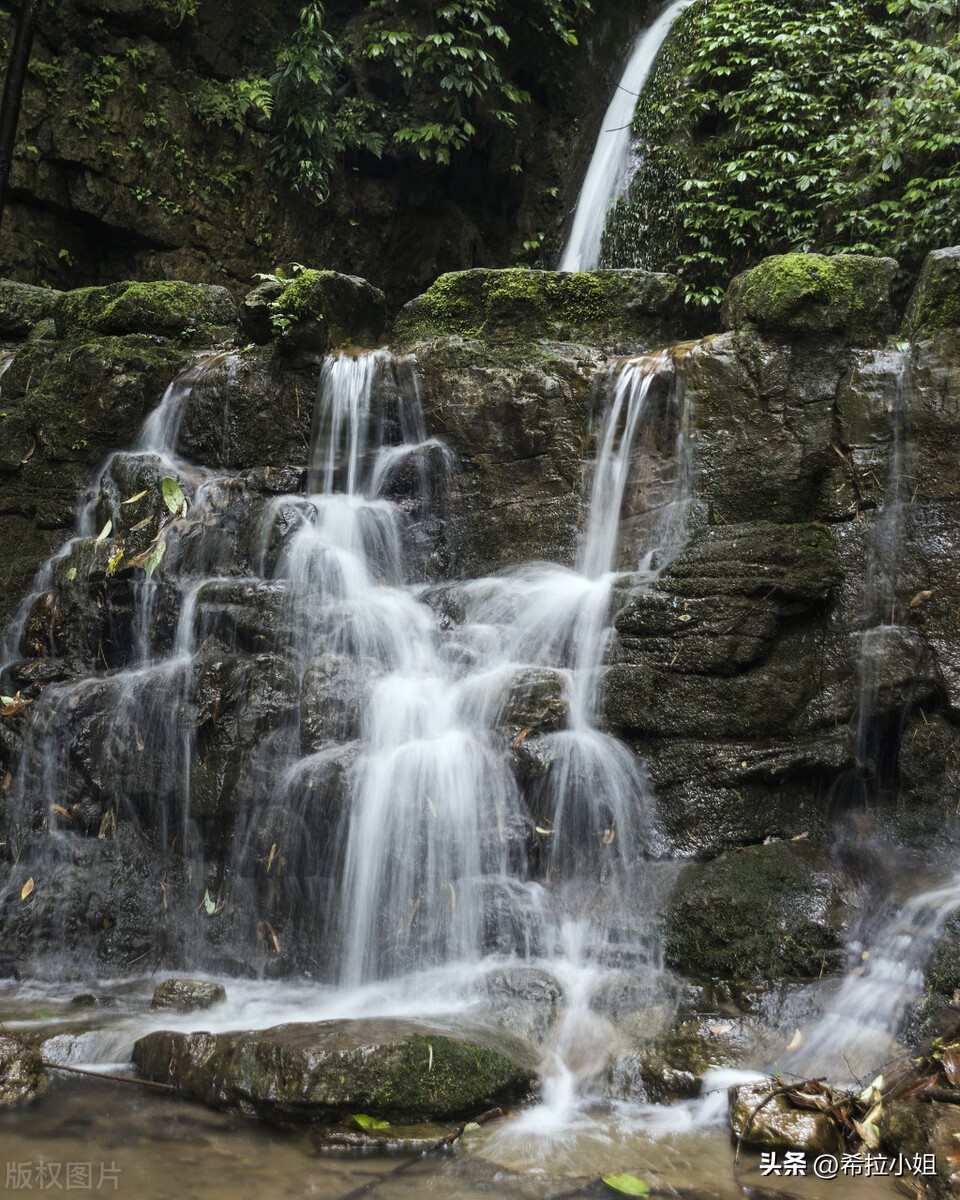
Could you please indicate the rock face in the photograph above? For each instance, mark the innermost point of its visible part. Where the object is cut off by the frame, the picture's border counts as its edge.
(737, 675)
(935, 304)
(760, 913)
(321, 1073)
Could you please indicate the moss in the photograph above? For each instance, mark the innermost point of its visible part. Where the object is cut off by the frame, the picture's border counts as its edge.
(85, 399)
(319, 310)
(766, 912)
(168, 308)
(325, 1072)
(935, 304)
(616, 308)
(804, 295)
(23, 306)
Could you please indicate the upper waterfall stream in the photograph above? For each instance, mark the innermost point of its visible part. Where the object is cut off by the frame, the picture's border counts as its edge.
(609, 172)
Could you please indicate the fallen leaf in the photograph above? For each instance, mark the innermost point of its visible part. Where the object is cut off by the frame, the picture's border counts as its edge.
(795, 1040)
(138, 496)
(27, 888)
(626, 1185)
(366, 1122)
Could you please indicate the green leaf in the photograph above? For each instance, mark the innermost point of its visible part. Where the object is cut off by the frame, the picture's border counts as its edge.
(627, 1185)
(173, 496)
(366, 1122)
(71, 574)
(209, 904)
(105, 532)
(154, 557)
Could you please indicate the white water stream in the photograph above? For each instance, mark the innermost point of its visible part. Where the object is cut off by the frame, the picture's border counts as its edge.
(611, 167)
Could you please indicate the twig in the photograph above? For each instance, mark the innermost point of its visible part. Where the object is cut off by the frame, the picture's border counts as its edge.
(147, 1083)
(447, 1140)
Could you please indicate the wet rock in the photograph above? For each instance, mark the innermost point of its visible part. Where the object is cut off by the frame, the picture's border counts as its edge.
(626, 310)
(935, 303)
(516, 426)
(187, 995)
(535, 701)
(761, 913)
(524, 1000)
(23, 307)
(248, 410)
(765, 426)
(810, 295)
(331, 700)
(323, 1072)
(22, 1077)
(778, 1125)
(165, 308)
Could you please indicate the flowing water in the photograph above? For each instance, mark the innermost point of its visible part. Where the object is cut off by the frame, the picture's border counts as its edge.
(611, 166)
(438, 878)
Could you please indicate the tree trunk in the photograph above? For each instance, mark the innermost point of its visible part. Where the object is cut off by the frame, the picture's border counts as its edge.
(13, 90)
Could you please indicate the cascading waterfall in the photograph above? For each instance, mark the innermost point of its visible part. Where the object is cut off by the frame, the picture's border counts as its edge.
(890, 951)
(610, 170)
(381, 816)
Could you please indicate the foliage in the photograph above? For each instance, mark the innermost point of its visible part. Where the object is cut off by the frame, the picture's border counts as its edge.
(830, 125)
(442, 71)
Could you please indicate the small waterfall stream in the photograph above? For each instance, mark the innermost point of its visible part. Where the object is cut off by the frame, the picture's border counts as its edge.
(609, 172)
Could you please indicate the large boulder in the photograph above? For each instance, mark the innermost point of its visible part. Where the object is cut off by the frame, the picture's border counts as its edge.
(846, 296)
(322, 1072)
(761, 913)
(23, 306)
(935, 304)
(623, 310)
(318, 310)
(761, 1117)
(165, 308)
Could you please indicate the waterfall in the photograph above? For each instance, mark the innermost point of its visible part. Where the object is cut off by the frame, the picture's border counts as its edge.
(610, 169)
(402, 791)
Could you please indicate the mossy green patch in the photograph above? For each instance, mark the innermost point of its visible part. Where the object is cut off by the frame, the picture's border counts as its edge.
(167, 308)
(608, 308)
(319, 310)
(23, 306)
(935, 304)
(762, 913)
(846, 296)
(324, 1072)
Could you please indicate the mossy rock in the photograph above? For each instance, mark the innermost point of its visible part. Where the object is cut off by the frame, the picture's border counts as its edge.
(762, 913)
(22, 1077)
(165, 308)
(320, 1073)
(22, 306)
(319, 310)
(844, 296)
(935, 303)
(767, 1121)
(616, 309)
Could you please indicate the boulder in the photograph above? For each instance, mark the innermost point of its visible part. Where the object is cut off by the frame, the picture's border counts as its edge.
(165, 308)
(187, 995)
(935, 304)
(22, 1077)
(320, 1073)
(318, 310)
(845, 296)
(23, 307)
(778, 1124)
(626, 310)
(761, 913)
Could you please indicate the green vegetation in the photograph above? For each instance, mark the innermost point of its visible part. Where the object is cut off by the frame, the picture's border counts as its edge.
(829, 125)
(421, 76)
